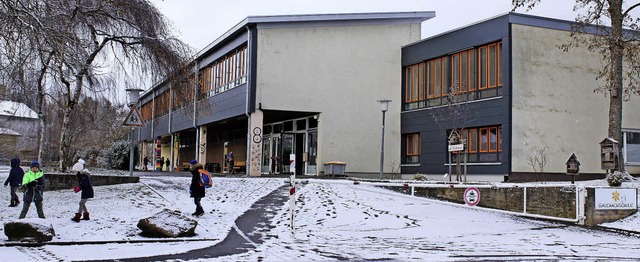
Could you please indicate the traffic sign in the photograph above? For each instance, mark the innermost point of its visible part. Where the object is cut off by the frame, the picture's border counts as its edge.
(472, 196)
(133, 118)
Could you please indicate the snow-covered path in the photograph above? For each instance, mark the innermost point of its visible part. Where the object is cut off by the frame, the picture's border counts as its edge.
(334, 220)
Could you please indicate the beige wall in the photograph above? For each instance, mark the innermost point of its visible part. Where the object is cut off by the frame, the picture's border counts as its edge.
(339, 71)
(554, 103)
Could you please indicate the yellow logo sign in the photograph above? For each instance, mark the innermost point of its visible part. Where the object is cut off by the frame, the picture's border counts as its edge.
(615, 195)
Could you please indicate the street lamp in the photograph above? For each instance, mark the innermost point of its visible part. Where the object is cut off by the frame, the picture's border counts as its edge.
(134, 95)
(384, 106)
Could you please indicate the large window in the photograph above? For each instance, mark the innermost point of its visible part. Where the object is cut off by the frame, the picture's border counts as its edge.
(225, 73)
(632, 147)
(412, 149)
(474, 74)
(483, 143)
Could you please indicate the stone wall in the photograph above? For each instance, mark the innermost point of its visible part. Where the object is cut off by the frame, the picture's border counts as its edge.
(547, 201)
(55, 181)
(594, 217)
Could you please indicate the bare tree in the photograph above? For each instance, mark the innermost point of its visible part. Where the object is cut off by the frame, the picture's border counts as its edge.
(601, 28)
(453, 116)
(89, 41)
(538, 160)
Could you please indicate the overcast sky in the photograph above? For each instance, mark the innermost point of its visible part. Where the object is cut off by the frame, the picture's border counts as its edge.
(200, 22)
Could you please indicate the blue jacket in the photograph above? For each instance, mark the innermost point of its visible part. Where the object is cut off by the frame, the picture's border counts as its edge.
(16, 174)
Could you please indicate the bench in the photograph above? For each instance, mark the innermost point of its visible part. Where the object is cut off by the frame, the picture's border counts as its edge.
(240, 167)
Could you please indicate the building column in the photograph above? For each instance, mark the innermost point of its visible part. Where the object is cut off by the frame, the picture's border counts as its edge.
(254, 153)
(202, 145)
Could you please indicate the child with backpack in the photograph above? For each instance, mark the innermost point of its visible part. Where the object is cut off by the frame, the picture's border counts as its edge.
(196, 188)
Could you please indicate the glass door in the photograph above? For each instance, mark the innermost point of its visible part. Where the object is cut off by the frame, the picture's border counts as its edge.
(276, 155)
(312, 151)
(287, 149)
(266, 155)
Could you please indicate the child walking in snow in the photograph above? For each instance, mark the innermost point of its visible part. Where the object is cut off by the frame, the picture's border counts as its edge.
(86, 189)
(196, 189)
(14, 180)
(33, 184)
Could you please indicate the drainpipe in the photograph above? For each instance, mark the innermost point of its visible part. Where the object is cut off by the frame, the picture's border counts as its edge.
(195, 108)
(246, 112)
(169, 127)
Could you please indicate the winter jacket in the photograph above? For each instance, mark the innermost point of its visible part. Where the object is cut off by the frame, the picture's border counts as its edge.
(196, 189)
(33, 184)
(15, 174)
(84, 181)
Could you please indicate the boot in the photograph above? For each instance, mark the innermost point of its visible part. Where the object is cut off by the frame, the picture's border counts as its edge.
(199, 211)
(85, 216)
(76, 218)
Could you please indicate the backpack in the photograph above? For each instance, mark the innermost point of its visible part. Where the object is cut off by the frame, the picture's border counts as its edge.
(205, 178)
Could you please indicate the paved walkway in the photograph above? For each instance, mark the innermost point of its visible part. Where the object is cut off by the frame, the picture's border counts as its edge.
(250, 225)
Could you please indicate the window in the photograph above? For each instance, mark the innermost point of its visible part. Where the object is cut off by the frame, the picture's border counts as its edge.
(632, 147)
(415, 83)
(483, 143)
(227, 72)
(475, 72)
(412, 149)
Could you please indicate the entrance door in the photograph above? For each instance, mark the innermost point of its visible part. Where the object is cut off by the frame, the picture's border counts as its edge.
(312, 151)
(287, 149)
(299, 148)
(266, 155)
(276, 154)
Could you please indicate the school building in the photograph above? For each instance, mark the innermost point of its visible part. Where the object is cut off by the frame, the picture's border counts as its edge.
(272, 87)
(516, 94)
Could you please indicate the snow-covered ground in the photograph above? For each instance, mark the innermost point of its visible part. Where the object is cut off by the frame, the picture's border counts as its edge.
(334, 220)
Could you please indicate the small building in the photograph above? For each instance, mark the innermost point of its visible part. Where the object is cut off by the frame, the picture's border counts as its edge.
(17, 138)
(273, 88)
(515, 93)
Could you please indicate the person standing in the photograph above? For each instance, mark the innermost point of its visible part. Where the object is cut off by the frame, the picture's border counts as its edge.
(231, 163)
(196, 189)
(86, 188)
(168, 162)
(33, 184)
(161, 163)
(146, 163)
(14, 180)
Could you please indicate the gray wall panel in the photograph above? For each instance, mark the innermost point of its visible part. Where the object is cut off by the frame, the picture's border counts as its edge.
(230, 103)
(161, 126)
(182, 119)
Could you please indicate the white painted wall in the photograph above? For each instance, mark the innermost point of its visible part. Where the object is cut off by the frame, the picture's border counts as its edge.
(554, 103)
(339, 71)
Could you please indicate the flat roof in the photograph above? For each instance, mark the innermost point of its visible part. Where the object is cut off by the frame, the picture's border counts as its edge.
(407, 17)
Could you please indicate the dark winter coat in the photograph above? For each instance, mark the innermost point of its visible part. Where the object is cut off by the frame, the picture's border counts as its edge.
(33, 186)
(195, 188)
(84, 181)
(15, 174)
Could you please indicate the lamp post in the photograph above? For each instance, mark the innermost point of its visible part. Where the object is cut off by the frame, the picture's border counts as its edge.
(134, 95)
(384, 106)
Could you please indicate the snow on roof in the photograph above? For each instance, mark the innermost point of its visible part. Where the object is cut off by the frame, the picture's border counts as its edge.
(15, 109)
(7, 131)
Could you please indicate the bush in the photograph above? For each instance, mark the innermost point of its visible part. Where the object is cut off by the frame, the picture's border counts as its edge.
(117, 157)
(616, 178)
(419, 177)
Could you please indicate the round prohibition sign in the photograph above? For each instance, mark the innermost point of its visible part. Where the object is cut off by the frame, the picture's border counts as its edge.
(472, 196)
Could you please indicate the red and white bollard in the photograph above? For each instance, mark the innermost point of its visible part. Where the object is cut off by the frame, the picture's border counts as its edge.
(292, 191)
